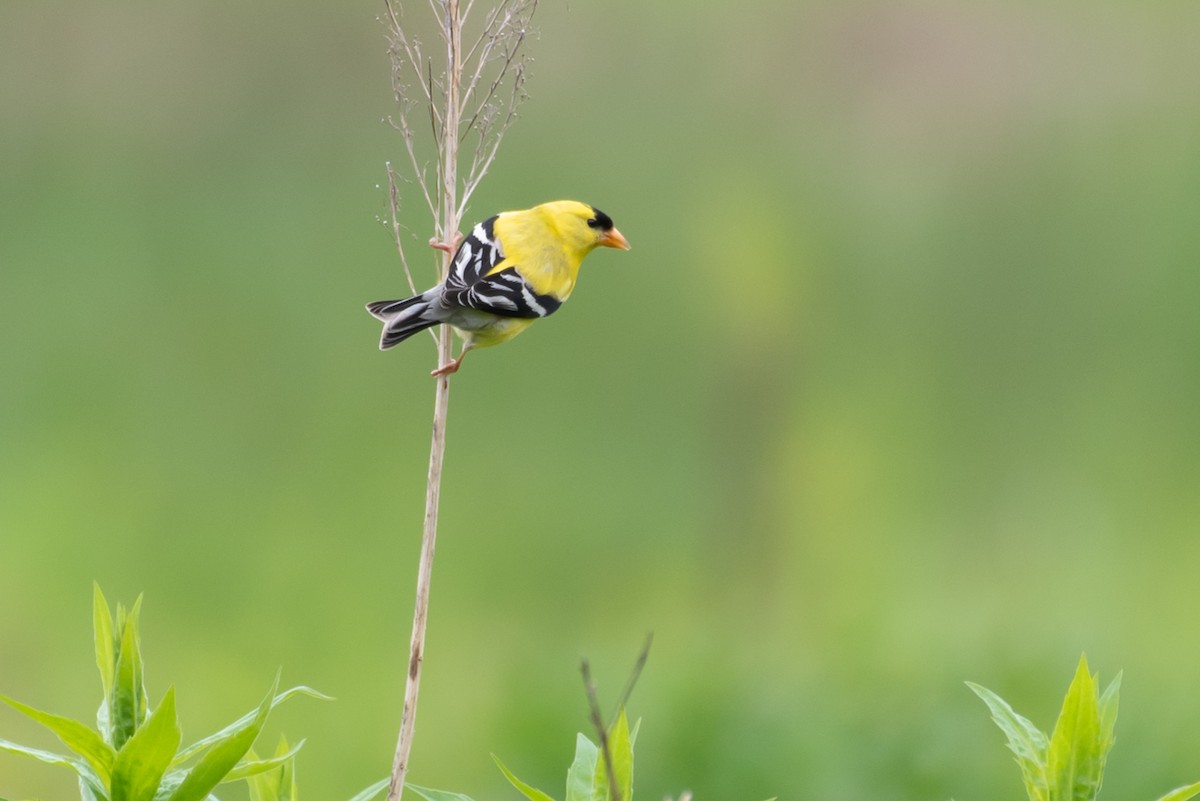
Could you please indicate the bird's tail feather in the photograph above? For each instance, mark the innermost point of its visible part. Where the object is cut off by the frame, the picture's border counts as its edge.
(402, 318)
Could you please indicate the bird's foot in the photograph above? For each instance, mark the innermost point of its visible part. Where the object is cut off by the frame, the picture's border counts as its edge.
(448, 369)
(449, 247)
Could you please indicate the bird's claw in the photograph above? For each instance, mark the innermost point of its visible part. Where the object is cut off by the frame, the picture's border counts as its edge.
(448, 247)
(448, 369)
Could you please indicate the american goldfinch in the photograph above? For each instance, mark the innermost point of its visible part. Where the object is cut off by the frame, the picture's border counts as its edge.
(510, 270)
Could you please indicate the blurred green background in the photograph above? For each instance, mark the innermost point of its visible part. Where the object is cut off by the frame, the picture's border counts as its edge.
(897, 388)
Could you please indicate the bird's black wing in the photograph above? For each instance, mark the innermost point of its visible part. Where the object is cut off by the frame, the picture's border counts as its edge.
(478, 255)
(505, 293)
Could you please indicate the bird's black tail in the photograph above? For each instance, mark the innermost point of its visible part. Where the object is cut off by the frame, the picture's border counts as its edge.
(402, 318)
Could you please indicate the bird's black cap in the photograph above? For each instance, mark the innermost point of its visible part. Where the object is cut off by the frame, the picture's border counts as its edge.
(601, 220)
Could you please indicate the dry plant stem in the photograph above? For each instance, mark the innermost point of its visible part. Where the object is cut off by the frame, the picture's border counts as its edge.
(471, 89)
(634, 674)
(614, 793)
(598, 720)
(448, 227)
(412, 684)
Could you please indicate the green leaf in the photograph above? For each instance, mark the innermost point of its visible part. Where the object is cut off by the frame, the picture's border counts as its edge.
(1182, 793)
(106, 660)
(254, 767)
(367, 793)
(620, 749)
(49, 757)
(104, 723)
(1025, 740)
(435, 795)
(144, 758)
(88, 779)
(620, 746)
(74, 735)
(287, 773)
(102, 625)
(264, 786)
(582, 773)
(1108, 716)
(1074, 762)
(170, 783)
(127, 709)
(223, 755)
(530, 792)
(91, 792)
(200, 745)
(277, 784)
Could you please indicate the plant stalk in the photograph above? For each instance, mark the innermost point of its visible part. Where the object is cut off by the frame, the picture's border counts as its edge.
(448, 225)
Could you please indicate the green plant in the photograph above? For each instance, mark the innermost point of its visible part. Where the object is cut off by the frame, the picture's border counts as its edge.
(587, 778)
(1068, 764)
(134, 754)
(279, 783)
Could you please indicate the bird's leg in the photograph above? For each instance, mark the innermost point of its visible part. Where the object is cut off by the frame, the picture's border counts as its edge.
(450, 368)
(449, 247)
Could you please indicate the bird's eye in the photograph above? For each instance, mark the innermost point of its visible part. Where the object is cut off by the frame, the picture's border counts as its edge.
(601, 221)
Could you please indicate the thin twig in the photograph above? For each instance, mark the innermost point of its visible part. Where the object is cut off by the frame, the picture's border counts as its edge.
(412, 684)
(394, 211)
(412, 51)
(598, 720)
(614, 792)
(483, 38)
(513, 21)
(634, 675)
(418, 170)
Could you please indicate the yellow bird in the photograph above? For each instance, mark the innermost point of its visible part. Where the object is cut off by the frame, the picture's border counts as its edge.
(511, 269)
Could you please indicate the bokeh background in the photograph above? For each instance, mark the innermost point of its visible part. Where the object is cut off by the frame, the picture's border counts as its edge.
(897, 388)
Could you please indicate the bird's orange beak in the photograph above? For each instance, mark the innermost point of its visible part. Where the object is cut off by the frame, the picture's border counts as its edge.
(613, 239)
